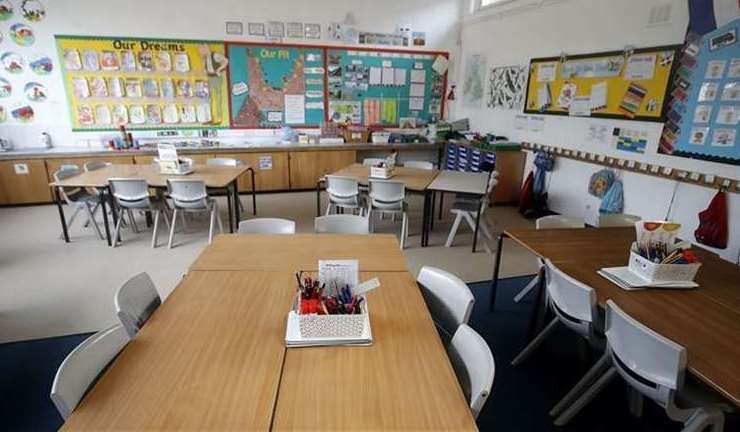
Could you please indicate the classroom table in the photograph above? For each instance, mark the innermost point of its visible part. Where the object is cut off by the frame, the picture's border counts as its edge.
(469, 183)
(705, 320)
(213, 356)
(415, 179)
(215, 177)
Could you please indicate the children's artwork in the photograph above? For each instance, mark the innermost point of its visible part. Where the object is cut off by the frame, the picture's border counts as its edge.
(715, 69)
(731, 92)
(98, 87)
(168, 88)
(90, 61)
(146, 61)
(345, 111)
(128, 61)
(702, 113)
(506, 87)
(183, 88)
(5, 88)
(153, 114)
(708, 92)
(200, 90)
(567, 93)
(80, 88)
(728, 115)
(151, 89)
(41, 64)
(631, 140)
(120, 115)
(3, 114)
(72, 59)
(33, 10)
(475, 67)
(35, 92)
(102, 115)
(164, 61)
(203, 113)
(22, 34)
(12, 62)
(187, 114)
(6, 10)
(115, 88)
(109, 60)
(23, 114)
(133, 90)
(182, 63)
(136, 114)
(734, 69)
(724, 137)
(632, 100)
(169, 114)
(85, 115)
(698, 135)
(588, 68)
(544, 97)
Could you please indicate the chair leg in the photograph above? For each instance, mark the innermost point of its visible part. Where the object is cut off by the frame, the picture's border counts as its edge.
(453, 230)
(586, 397)
(164, 215)
(91, 220)
(530, 286)
(218, 219)
(172, 229)
(74, 215)
(404, 230)
(184, 222)
(711, 417)
(156, 228)
(371, 225)
(131, 219)
(635, 402)
(117, 231)
(213, 222)
(596, 370)
(328, 209)
(537, 341)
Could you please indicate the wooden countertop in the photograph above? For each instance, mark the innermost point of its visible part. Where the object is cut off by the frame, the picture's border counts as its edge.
(415, 179)
(706, 320)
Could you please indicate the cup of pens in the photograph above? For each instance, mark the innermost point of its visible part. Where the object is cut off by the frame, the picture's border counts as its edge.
(657, 255)
(329, 312)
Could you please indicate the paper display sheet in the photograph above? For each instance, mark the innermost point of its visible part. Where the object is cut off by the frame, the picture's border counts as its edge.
(295, 109)
(339, 273)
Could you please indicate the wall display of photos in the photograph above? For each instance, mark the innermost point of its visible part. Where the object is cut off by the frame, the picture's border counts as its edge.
(705, 107)
(144, 83)
(614, 84)
(375, 87)
(275, 85)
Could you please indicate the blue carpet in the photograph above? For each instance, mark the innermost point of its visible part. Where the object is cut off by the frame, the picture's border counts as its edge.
(520, 400)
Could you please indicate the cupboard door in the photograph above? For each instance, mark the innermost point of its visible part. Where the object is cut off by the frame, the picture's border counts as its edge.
(308, 166)
(270, 171)
(510, 166)
(23, 181)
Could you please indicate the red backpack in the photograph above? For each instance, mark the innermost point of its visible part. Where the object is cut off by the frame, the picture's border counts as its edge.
(712, 230)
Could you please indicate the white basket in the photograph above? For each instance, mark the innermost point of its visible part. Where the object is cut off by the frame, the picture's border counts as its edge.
(662, 272)
(333, 326)
(381, 137)
(381, 172)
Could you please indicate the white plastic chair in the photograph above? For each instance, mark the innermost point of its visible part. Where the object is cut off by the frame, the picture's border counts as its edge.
(267, 226)
(341, 224)
(474, 366)
(133, 194)
(466, 208)
(344, 193)
(548, 222)
(448, 299)
(617, 220)
(78, 198)
(83, 366)
(653, 366)
(136, 300)
(372, 161)
(229, 162)
(191, 196)
(419, 165)
(389, 197)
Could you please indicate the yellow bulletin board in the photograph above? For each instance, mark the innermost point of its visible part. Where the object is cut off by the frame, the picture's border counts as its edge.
(617, 84)
(144, 83)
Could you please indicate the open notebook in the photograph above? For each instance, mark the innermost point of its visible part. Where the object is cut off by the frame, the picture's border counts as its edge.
(625, 279)
(293, 336)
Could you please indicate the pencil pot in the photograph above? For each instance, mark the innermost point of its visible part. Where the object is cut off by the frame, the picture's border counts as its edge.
(661, 272)
(333, 326)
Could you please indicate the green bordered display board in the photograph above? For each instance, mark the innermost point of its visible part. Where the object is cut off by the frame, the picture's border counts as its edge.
(612, 84)
(144, 83)
(303, 86)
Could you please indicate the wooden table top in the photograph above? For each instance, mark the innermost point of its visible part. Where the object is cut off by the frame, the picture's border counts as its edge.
(415, 179)
(376, 252)
(404, 380)
(462, 182)
(706, 320)
(215, 176)
(209, 358)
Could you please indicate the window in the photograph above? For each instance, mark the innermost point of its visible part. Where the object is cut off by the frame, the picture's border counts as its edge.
(482, 4)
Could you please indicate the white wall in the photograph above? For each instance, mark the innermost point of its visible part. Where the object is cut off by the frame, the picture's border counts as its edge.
(193, 19)
(549, 27)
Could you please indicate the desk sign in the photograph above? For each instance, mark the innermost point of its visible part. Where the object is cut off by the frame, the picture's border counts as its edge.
(20, 168)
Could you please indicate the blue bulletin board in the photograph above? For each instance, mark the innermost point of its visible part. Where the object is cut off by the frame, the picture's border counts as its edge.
(273, 85)
(703, 118)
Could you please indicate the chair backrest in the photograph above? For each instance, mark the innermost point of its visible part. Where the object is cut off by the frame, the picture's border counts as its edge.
(474, 366)
(447, 297)
(83, 365)
(419, 165)
(95, 165)
(557, 221)
(386, 192)
(69, 167)
(65, 172)
(649, 362)
(341, 224)
(136, 300)
(372, 161)
(187, 193)
(267, 226)
(618, 220)
(342, 187)
(223, 162)
(130, 192)
(574, 302)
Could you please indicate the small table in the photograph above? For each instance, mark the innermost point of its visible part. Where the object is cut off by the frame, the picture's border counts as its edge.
(218, 177)
(470, 183)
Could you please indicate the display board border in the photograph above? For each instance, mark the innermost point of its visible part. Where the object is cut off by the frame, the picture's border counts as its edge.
(675, 48)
